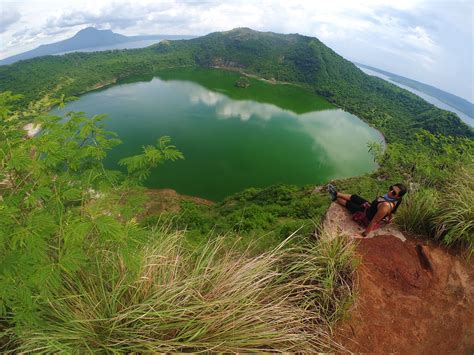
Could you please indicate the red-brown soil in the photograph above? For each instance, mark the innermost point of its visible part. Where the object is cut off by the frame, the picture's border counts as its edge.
(168, 200)
(411, 298)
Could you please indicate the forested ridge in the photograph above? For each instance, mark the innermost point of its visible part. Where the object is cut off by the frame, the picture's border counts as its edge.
(291, 58)
(457, 102)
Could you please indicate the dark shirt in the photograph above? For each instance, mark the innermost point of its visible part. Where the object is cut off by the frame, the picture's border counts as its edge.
(375, 205)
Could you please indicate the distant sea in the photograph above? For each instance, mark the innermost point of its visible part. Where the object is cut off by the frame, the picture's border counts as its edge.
(432, 100)
(123, 45)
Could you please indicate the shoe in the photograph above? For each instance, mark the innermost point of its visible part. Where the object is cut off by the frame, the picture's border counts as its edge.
(332, 191)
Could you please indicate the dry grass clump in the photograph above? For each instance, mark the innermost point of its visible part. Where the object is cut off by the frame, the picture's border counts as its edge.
(209, 299)
(446, 214)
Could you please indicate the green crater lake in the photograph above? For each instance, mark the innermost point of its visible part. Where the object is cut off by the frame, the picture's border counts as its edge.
(232, 138)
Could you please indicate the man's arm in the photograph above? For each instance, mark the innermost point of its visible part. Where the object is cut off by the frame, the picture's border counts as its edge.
(382, 210)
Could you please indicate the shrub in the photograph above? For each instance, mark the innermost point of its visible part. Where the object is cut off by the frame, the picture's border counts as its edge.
(251, 217)
(58, 204)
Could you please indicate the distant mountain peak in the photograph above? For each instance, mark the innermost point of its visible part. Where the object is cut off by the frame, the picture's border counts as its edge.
(90, 30)
(242, 29)
(89, 37)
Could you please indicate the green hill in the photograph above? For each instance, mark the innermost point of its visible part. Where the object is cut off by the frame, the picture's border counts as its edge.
(90, 262)
(292, 58)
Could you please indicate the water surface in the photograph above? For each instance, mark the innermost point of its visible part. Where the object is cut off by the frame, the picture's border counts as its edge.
(232, 138)
(123, 45)
(432, 100)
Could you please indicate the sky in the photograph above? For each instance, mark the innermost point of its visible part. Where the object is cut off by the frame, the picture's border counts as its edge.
(431, 41)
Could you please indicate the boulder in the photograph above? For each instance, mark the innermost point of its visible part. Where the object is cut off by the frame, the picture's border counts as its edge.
(338, 220)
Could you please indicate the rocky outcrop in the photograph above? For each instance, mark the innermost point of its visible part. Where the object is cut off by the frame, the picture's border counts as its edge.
(412, 297)
(338, 220)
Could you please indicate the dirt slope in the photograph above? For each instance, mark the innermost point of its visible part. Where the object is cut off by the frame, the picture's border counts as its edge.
(411, 297)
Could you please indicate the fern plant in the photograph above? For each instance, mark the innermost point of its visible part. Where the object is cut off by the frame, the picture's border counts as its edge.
(139, 166)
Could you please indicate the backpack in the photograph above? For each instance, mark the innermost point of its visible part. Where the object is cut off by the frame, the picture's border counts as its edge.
(361, 216)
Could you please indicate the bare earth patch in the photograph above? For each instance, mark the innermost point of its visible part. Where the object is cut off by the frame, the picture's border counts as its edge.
(411, 297)
(168, 200)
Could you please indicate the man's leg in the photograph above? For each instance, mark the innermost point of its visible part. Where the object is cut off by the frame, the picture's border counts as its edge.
(346, 197)
(341, 201)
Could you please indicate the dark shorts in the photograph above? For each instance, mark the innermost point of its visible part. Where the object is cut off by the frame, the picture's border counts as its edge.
(355, 204)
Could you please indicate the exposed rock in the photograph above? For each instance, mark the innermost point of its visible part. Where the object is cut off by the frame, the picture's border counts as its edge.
(317, 189)
(405, 306)
(243, 82)
(168, 200)
(339, 220)
(411, 298)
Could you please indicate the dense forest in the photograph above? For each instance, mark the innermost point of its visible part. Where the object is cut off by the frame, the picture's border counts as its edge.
(87, 266)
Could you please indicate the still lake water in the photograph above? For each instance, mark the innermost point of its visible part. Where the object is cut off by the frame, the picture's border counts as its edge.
(232, 138)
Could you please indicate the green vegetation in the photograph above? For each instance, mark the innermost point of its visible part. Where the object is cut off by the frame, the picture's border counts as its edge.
(176, 300)
(80, 270)
(444, 213)
(291, 58)
(418, 211)
(455, 220)
(261, 217)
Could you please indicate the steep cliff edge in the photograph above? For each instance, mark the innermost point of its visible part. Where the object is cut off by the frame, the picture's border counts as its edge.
(411, 297)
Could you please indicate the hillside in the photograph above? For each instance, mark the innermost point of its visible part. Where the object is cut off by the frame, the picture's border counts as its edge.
(85, 38)
(292, 58)
(91, 261)
(455, 101)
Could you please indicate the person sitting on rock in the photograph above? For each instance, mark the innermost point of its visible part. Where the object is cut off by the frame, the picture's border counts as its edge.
(370, 214)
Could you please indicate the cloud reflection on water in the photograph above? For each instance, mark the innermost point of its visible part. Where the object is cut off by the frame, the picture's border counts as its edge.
(341, 136)
(225, 107)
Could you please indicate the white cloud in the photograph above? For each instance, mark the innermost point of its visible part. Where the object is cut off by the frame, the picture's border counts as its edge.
(7, 18)
(418, 37)
(314, 125)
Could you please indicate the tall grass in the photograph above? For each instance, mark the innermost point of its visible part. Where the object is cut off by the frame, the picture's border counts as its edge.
(455, 218)
(446, 214)
(417, 212)
(209, 299)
